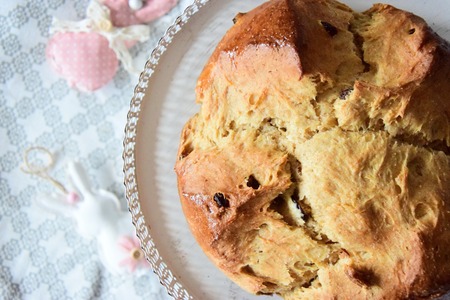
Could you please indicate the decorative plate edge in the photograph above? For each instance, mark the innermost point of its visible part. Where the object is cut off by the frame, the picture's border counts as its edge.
(166, 277)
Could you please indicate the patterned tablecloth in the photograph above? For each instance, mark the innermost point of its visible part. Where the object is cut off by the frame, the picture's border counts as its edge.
(41, 254)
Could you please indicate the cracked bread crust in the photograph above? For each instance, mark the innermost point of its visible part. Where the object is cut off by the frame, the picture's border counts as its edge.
(318, 167)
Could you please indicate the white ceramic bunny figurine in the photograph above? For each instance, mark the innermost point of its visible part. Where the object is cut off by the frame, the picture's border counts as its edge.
(98, 216)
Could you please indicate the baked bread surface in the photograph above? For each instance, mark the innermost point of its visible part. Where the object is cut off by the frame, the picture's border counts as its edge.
(318, 167)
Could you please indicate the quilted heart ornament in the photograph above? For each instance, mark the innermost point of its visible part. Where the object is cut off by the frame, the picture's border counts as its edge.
(87, 53)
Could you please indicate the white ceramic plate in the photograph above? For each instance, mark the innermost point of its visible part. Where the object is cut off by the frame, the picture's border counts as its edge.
(163, 101)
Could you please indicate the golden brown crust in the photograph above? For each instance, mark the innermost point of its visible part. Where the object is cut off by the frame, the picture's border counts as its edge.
(241, 36)
(318, 165)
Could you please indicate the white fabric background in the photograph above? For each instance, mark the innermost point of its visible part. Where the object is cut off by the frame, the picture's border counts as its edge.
(41, 254)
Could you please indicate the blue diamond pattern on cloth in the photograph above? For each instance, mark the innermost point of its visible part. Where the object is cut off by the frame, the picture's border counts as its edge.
(95, 114)
(7, 117)
(5, 26)
(37, 53)
(21, 63)
(115, 104)
(52, 116)
(73, 240)
(4, 187)
(61, 132)
(84, 293)
(25, 195)
(59, 89)
(42, 99)
(113, 149)
(91, 271)
(42, 255)
(38, 257)
(10, 250)
(46, 139)
(17, 135)
(57, 290)
(47, 273)
(57, 3)
(6, 73)
(122, 79)
(36, 9)
(10, 205)
(139, 285)
(10, 290)
(30, 239)
(79, 124)
(5, 274)
(11, 44)
(47, 229)
(87, 101)
(105, 131)
(32, 81)
(5, 211)
(65, 264)
(9, 161)
(24, 107)
(80, 8)
(97, 158)
(71, 148)
(2, 98)
(85, 250)
(20, 222)
(44, 24)
(30, 283)
(18, 16)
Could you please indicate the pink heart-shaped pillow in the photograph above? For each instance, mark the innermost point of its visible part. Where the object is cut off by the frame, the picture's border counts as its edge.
(83, 59)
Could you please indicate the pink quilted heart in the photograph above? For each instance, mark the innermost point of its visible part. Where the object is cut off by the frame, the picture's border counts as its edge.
(122, 15)
(83, 59)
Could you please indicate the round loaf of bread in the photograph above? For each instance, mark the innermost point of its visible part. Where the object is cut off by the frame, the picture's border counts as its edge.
(318, 166)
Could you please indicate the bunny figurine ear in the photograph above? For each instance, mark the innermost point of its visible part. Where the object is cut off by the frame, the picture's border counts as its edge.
(56, 203)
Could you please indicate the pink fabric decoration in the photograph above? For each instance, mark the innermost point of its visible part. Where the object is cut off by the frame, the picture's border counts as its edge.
(83, 59)
(135, 256)
(122, 15)
(81, 53)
